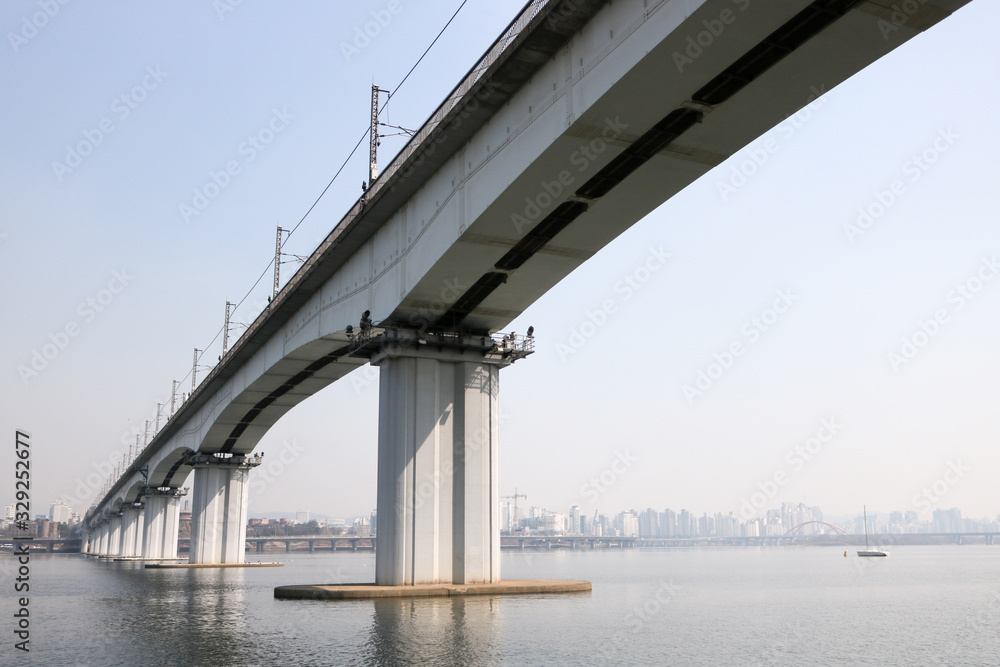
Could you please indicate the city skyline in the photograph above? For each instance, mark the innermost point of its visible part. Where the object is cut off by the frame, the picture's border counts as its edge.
(646, 523)
(817, 327)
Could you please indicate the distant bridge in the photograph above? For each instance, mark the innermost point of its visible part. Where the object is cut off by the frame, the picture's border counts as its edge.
(835, 527)
(335, 543)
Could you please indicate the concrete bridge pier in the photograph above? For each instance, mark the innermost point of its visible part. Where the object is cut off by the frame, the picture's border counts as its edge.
(161, 522)
(132, 520)
(219, 508)
(438, 501)
(114, 545)
(102, 539)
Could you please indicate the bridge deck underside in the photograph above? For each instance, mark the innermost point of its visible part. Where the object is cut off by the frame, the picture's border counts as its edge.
(818, 45)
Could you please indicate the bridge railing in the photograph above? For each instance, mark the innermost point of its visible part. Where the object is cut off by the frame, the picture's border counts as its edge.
(420, 139)
(473, 77)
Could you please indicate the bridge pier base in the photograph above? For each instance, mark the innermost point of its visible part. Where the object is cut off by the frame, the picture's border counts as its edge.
(161, 523)
(219, 509)
(438, 501)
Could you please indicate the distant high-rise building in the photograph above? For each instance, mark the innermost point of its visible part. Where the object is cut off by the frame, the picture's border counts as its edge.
(705, 526)
(948, 521)
(684, 527)
(668, 523)
(574, 527)
(649, 521)
(752, 528)
(726, 525)
(60, 512)
(506, 516)
(628, 524)
(301, 517)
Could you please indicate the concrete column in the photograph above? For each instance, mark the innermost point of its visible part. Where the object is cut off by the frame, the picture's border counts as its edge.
(131, 518)
(140, 522)
(438, 498)
(114, 546)
(161, 522)
(219, 509)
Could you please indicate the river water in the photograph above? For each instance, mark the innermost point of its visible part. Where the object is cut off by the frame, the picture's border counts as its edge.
(766, 606)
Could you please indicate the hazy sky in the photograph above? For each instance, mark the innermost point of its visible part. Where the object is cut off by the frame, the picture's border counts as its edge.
(103, 264)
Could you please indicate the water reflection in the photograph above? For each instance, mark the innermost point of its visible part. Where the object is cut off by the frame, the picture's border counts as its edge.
(441, 631)
(178, 616)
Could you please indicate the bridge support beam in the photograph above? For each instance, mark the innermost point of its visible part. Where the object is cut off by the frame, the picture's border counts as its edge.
(132, 520)
(438, 501)
(99, 540)
(161, 523)
(219, 509)
(114, 545)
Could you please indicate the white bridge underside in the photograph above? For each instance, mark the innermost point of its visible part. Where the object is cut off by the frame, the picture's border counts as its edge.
(554, 151)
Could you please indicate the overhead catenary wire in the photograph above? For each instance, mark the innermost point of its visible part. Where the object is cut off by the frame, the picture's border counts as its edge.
(270, 264)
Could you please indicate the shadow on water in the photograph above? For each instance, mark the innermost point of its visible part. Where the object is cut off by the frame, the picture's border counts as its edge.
(443, 631)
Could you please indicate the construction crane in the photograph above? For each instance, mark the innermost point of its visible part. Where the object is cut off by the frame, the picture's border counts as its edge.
(515, 497)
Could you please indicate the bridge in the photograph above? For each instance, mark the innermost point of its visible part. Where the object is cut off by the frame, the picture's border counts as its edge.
(580, 119)
(795, 529)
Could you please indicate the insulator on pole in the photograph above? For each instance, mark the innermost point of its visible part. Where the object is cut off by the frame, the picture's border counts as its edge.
(277, 263)
(373, 152)
(225, 331)
(194, 371)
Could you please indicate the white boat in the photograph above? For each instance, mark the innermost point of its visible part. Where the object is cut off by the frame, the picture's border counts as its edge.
(868, 552)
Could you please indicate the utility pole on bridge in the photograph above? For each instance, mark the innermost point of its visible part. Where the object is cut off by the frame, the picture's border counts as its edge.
(373, 143)
(225, 331)
(194, 370)
(277, 263)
